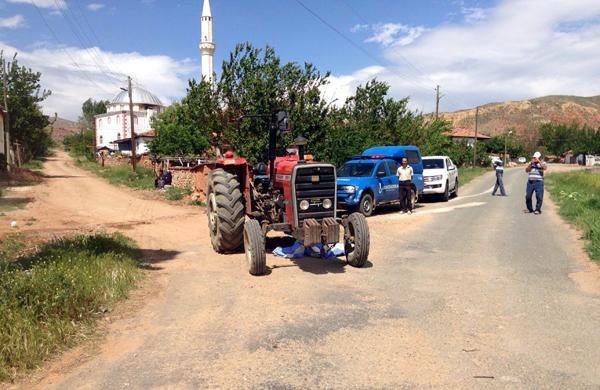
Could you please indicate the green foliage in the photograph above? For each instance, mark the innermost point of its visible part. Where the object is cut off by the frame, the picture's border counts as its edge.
(27, 123)
(176, 193)
(34, 164)
(78, 144)
(50, 298)
(467, 174)
(142, 179)
(89, 109)
(558, 138)
(578, 196)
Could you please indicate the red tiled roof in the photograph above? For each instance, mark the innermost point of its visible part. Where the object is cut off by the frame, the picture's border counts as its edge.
(464, 132)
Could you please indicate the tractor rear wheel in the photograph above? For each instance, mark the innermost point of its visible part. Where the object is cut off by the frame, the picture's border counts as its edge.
(225, 207)
(254, 246)
(357, 240)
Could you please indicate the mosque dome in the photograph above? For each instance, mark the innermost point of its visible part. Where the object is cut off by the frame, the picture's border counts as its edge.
(139, 96)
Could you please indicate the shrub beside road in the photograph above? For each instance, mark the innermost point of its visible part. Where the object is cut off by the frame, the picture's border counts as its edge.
(50, 297)
(578, 196)
(467, 174)
(142, 179)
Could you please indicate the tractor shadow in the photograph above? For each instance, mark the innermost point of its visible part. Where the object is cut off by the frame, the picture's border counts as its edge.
(313, 265)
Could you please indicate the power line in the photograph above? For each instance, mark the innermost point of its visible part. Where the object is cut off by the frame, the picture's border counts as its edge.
(357, 46)
(402, 57)
(81, 37)
(64, 50)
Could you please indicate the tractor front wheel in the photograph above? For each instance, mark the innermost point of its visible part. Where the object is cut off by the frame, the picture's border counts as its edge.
(356, 240)
(225, 208)
(254, 246)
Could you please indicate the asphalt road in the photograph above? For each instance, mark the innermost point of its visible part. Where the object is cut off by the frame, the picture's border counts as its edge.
(466, 294)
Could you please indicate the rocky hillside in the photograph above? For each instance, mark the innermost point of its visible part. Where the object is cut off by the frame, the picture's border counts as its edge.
(62, 127)
(527, 115)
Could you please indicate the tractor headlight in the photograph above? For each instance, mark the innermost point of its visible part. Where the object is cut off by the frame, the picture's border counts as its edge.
(327, 203)
(347, 189)
(304, 205)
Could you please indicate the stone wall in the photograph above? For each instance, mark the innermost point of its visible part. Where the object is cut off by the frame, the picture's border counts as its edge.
(200, 173)
(183, 177)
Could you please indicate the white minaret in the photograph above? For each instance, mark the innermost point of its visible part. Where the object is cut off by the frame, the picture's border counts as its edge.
(207, 46)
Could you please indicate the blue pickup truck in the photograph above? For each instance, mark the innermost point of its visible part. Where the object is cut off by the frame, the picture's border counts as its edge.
(369, 179)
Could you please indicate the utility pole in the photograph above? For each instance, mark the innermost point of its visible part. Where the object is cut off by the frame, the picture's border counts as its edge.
(133, 157)
(475, 139)
(505, 146)
(438, 97)
(7, 121)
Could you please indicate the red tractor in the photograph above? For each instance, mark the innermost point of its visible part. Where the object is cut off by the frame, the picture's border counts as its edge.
(290, 195)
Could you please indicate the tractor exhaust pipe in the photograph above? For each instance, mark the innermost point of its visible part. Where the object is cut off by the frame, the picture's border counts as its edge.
(301, 143)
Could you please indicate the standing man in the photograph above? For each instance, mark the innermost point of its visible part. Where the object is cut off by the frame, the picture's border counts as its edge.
(499, 178)
(405, 174)
(535, 182)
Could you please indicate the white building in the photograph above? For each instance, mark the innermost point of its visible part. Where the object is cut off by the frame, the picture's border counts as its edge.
(113, 128)
(207, 45)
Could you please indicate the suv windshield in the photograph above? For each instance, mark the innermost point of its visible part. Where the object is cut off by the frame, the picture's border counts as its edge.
(356, 169)
(434, 163)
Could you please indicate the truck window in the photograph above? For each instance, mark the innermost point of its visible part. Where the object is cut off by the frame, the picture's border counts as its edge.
(355, 170)
(381, 169)
(392, 167)
(412, 156)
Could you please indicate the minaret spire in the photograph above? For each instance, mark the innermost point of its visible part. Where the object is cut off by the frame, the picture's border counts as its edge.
(207, 46)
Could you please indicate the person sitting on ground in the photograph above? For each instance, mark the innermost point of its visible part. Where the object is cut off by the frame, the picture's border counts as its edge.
(167, 178)
(499, 167)
(159, 181)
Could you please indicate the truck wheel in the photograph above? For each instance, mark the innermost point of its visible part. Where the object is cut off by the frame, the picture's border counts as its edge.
(446, 194)
(356, 244)
(366, 205)
(225, 208)
(254, 246)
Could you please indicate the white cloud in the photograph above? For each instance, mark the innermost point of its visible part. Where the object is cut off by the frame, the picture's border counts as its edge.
(473, 14)
(12, 22)
(516, 49)
(395, 34)
(52, 4)
(71, 85)
(359, 27)
(95, 6)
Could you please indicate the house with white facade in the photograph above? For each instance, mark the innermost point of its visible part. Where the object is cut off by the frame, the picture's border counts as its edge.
(113, 129)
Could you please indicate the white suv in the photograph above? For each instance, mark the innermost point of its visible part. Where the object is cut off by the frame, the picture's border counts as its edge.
(440, 176)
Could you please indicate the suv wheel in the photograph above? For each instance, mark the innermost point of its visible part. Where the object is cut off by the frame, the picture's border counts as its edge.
(366, 205)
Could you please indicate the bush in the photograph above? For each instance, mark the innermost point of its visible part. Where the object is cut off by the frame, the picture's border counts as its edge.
(51, 297)
(175, 193)
(143, 178)
(578, 196)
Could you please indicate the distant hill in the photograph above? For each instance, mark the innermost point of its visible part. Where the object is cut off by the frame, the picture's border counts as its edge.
(526, 116)
(61, 128)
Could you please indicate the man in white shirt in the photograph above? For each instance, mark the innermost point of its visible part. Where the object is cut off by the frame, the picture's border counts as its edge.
(405, 174)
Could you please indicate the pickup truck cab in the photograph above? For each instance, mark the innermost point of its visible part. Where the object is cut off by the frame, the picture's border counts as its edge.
(440, 176)
(369, 180)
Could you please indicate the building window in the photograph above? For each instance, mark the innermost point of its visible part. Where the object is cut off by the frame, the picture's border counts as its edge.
(135, 121)
(108, 120)
(118, 135)
(118, 120)
(101, 139)
(99, 122)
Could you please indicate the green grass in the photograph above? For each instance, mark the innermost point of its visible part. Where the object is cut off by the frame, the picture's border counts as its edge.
(467, 174)
(143, 178)
(50, 298)
(175, 193)
(578, 196)
(34, 164)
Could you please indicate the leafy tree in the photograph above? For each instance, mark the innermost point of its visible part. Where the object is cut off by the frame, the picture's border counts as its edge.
(89, 109)
(559, 138)
(27, 122)
(190, 127)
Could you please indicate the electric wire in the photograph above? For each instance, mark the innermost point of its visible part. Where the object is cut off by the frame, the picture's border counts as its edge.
(359, 47)
(83, 72)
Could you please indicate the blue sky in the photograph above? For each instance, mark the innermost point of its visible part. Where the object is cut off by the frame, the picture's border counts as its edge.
(478, 51)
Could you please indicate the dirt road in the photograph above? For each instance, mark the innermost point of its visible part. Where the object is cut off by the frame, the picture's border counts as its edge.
(467, 294)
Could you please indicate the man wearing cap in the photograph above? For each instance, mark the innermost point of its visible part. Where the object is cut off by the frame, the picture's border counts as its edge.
(535, 182)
